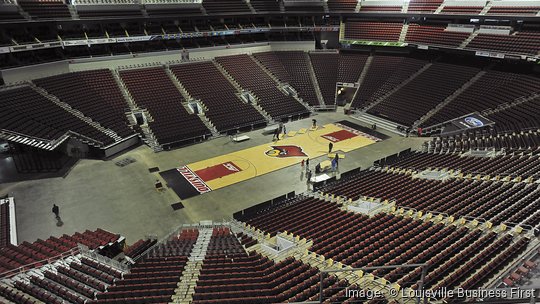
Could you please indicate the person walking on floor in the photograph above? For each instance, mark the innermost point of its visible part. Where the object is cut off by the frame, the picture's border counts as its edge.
(56, 211)
(336, 159)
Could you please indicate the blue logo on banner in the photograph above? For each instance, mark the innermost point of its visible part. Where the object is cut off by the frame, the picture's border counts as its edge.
(474, 122)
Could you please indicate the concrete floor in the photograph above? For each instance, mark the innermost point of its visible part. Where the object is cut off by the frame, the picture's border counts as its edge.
(123, 199)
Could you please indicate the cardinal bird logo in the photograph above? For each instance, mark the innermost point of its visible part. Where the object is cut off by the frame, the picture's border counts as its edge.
(286, 151)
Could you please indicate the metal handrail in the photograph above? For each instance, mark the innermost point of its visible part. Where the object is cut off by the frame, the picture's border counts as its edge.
(24, 268)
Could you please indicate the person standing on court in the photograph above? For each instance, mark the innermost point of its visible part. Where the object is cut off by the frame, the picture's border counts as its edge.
(56, 211)
(336, 159)
(330, 146)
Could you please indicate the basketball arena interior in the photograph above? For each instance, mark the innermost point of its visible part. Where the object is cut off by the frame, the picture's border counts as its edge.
(269, 151)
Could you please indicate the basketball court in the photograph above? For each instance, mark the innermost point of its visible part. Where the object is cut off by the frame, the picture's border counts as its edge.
(224, 170)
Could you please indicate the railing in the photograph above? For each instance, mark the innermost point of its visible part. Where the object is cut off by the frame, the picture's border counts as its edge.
(96, 142)
(102, 259)
(24, 268)
(460, 170)
(325, 107)
(526, 227)
(13, 133)
(176, 230)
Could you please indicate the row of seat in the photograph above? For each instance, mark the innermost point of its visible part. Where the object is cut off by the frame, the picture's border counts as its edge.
(412, 100)
(513, 10)
(460, 9)
(225, 110)
(39, 251)
(523, 116)
(234, 276)
(524, 141)
(385, 239)
(59, 9)
(372, 31)
(27, 112)
(424, 5)
(75, 279)
(177, 245)
(350, 66)
(434, 35)
(296, 64)
(152, 89)
(94, 93)
(153, 278)
(514, 165)
(458, 197)
(523, 42)
(244, 70)
(45, 8)
(341, 5)
(383, 75)
(489, 91)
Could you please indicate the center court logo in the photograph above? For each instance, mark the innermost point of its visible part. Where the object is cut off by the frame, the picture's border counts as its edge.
(285, 151)
(229, 166)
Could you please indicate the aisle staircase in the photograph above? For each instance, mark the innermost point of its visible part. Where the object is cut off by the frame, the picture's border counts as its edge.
(486, 8)
(125, 92)
(440, 8)
(251, 8)
(364, 72)
(73, 12)
(403, 33)
(314, 80)
(183, 294)
(469, 39)
(405, 7)
(358, 6)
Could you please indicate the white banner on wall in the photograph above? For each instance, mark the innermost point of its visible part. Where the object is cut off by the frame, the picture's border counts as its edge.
(74, 42)
(101, 41)
(482, 54)
(133, 39)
